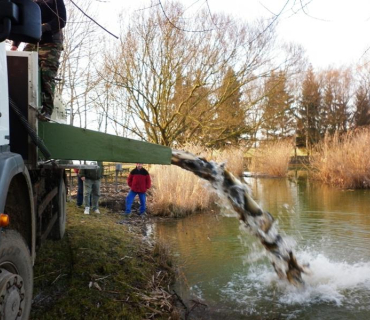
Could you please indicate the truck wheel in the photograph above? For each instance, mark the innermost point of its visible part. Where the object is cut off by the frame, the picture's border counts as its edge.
(59, 228)
(16, 276)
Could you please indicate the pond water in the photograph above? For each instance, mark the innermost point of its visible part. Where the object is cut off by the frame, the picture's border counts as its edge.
(226, 268)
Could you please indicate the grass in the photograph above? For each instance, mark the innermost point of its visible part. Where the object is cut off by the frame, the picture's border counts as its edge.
(102, 270)
(272, 158)
(343, 161)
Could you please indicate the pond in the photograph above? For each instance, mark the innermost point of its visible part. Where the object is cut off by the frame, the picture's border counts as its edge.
(227, 270)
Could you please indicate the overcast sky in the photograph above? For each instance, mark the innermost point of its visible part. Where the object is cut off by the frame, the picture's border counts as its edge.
(333, 32)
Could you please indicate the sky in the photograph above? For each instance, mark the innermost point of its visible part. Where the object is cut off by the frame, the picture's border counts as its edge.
(333, 32)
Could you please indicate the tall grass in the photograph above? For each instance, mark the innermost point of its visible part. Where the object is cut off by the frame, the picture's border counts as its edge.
(343, 161)
(177, 192)
(272, 158)
(232, 157)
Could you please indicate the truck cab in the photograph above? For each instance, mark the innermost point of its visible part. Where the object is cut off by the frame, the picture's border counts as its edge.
(33, 156)
(32, 192)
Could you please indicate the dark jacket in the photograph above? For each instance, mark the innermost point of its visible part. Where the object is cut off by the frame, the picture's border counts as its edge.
(139, 180)
(92, 174)
(53, 19)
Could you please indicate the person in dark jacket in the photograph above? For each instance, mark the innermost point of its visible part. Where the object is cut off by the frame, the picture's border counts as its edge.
(53, 19)
(91, 179)
(80, 189)
(139, 182)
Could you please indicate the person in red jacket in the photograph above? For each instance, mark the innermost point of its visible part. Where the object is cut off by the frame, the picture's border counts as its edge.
(139, 182)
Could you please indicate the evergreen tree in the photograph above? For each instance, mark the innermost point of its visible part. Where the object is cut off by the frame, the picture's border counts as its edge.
(308, 124)
(278, 113)
(361, 115)
(230, 112)
(334, 112)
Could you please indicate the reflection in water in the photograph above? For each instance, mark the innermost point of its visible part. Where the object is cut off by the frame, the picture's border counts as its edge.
(225, 267)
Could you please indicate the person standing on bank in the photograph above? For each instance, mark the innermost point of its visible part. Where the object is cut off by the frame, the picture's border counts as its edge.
(80, 189)
(139, 182)
(53, 19)
(91, 179)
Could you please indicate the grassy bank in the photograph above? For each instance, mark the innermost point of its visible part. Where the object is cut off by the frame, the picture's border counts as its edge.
(102, 270)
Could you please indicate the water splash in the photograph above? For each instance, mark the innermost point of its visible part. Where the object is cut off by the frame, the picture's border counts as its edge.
(258, 222)
(339, 283)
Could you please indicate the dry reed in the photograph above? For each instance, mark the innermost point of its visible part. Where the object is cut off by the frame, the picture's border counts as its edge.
(233, 159)
(272, 158)
(343, 161)
(177, 193)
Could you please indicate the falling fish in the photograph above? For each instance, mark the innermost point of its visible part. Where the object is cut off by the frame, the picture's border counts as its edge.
(258, 222)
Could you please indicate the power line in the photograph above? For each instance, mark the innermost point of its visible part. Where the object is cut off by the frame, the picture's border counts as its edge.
(93, 19)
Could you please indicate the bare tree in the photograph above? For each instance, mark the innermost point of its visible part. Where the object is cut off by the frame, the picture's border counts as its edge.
(77, 71)
(172, 79)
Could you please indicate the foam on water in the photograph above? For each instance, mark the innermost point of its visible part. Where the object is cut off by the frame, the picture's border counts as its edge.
(340, 283)
(260, 289)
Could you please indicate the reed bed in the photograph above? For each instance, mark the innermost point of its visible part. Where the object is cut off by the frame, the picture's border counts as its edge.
(233, 159)
(272, 158)
(343, 161)
(177, 192)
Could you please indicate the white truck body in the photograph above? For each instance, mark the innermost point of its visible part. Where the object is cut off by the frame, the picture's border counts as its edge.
(32, 196)
(4, 102)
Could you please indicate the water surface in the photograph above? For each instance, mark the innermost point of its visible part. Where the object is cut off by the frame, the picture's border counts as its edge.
(226, 268)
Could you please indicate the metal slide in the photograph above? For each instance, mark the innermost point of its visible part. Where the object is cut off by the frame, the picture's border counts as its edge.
(65, 142)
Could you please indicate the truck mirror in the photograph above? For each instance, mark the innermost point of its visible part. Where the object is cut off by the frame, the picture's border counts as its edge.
(20, 20)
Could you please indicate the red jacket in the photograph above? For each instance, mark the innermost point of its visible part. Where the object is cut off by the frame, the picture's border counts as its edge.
(139, 180)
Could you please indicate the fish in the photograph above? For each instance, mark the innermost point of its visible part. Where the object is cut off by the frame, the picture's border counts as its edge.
(258, 221)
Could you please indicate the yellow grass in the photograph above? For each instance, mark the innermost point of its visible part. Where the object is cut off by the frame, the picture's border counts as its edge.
(272, 158)
(343, 161)
(232, 157)
(177, 192)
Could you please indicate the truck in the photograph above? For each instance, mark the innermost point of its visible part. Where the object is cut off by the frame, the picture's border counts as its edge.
(33, 158)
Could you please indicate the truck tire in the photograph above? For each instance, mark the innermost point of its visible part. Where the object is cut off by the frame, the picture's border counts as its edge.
(16, 277)
(59, 228)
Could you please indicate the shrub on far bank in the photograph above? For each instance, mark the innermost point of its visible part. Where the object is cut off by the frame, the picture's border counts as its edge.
(343, 161)
(272, 158)
(177, 192)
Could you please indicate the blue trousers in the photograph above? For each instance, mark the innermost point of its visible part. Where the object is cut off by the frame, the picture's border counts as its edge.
(130, 199)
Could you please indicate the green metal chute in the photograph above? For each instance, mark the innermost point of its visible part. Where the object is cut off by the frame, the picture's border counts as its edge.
(65, 142)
